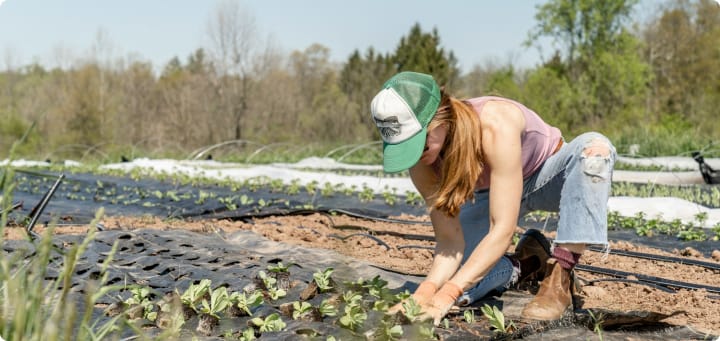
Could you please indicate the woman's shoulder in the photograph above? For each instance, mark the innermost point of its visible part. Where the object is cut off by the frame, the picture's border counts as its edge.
(498, 112)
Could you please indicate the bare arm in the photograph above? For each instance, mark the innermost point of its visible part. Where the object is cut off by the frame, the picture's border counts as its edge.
(449, 239)
(502, 124)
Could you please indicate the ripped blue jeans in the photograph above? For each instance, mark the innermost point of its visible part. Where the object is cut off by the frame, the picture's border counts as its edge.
(575, 182)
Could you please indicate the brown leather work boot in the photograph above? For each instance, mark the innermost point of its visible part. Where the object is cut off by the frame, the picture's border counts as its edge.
(553, 297)
(533, 243)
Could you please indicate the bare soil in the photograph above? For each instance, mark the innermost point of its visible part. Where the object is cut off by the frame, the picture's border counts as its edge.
(697, 309)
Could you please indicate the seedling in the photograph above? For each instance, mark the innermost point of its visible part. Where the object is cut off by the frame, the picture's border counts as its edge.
(247, 303)
(403, 295)
(229, 202)
(716, 231)
(195, 293)
(219, 300)
(327, 309)
(353, 318)
(279, 267)
(209, 319)
(141, 297)
(311, 187)
(413, 198)
(172, 195)
(692, 234)
(366, 194)
(411, 309)
(300, 309)
(389, 196)
(427, 331)
(202, 196)
(323, 280)
(246, 200)
(276, 185)
(327, 190)
(294, 187)
(270, 285)
(389, 331)
(376, 287)
(271, 323)
(247, 335)
(381, 305)
(170, 316)
(351, 298)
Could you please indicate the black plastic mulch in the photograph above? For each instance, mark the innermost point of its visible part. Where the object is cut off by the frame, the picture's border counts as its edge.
(80, 195)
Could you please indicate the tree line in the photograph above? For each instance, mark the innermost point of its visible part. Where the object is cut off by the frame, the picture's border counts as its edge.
(654, 84)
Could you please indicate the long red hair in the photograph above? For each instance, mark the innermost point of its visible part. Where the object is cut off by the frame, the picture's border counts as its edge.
(461, 154)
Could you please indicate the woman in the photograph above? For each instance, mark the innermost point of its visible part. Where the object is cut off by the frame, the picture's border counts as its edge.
(481, 164)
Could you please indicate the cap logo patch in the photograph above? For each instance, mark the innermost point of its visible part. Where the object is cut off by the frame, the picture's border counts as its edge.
(389, 127)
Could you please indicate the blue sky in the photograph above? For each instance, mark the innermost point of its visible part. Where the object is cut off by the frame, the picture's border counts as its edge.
(157, 30)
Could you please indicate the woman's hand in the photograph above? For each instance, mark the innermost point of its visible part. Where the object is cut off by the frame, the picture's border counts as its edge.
(441, 303)
(423, 294)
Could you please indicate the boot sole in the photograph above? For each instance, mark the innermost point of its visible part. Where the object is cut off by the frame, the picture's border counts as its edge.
(567, 314)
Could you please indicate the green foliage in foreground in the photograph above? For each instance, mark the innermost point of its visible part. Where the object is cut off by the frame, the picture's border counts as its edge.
(35, 309)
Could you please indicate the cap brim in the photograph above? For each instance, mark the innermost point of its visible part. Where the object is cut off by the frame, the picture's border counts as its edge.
(401, 156)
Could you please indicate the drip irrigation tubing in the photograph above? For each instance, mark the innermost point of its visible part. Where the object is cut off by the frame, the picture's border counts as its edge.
(386, 220)
(366, 235)
(645, 278)
(37, 210)
(387, 233)
(424, 247)
(708, 265)
(632, 281)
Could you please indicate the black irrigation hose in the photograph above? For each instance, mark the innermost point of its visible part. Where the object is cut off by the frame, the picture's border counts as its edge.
(387, 220)
(708, 265)
(37, 210)
(424, 247)
(367, 235)
(645, 278)
(387, 233)
(384, 268)
(632, 281)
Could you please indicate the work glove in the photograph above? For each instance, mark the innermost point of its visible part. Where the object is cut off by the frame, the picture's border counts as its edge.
(422, 295)
(440, 303)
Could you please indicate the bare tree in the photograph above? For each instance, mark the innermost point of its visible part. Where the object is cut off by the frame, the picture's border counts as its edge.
(234, 48)
(62, 56)
(101, 54)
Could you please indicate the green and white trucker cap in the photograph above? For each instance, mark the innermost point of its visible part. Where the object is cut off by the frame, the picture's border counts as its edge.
(402, 111)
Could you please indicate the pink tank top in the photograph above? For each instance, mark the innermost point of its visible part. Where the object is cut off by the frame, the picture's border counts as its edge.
(538, 140)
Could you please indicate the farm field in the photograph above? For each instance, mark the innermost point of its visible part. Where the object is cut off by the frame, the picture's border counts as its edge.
(661, 279)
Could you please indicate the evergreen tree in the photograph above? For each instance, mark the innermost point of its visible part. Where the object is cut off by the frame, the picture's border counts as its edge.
(421, 52)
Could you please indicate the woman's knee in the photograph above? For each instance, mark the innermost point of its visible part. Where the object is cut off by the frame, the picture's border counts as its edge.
(597, 154)
(596, 144)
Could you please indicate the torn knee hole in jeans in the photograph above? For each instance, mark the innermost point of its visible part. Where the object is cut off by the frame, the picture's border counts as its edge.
(595, 164)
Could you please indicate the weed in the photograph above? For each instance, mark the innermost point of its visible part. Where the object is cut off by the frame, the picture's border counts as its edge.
(497, 319)
(469, 316)
(597, 324)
